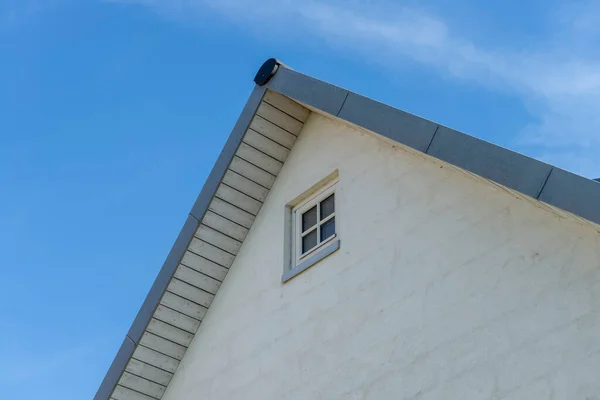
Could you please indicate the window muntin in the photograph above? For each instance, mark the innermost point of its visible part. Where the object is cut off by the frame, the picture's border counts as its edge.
(314, 223)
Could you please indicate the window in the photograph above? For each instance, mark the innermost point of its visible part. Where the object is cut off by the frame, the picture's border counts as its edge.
(313, 231)
(315, 223)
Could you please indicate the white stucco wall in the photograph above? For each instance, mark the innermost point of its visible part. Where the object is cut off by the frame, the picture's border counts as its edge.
(445, 287)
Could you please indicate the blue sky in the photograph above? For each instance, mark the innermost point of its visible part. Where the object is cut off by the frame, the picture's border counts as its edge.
(113, 112)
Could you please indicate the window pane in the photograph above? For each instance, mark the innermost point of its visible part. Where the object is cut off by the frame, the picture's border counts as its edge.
(328, 229)
(309, 241)
(309, 219)
(327, 207)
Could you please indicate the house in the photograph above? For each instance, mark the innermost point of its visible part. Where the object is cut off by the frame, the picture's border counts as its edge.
(344, 249)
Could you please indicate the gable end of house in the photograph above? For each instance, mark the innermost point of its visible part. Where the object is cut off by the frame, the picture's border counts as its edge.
(239, 183)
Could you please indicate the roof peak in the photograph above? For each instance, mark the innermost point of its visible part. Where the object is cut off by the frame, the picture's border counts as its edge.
(266, 71)
(290, 95)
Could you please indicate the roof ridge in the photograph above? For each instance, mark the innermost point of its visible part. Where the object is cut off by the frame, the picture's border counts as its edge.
(567, 191)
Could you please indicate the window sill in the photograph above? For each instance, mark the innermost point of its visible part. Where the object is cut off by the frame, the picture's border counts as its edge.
(312, 260)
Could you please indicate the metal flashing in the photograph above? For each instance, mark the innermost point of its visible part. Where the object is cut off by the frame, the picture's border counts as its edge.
(178, 250)
(162, 279)
(233, 142)
(487, 160)
(556, 187)
(116, 369)
(506, 167)
(573, 193)
(388, 121)
(320, 95)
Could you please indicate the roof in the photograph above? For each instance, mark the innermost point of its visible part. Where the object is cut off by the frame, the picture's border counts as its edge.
(239, 183)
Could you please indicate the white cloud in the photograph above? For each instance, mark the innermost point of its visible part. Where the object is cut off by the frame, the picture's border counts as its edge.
(559, 81)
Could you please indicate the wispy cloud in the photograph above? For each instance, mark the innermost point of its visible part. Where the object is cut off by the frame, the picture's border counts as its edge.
(558, 81)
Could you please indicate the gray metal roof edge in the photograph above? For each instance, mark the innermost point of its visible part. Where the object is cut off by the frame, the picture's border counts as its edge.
(115, 370)
(176, 253)
(233, 142)
(570, 192)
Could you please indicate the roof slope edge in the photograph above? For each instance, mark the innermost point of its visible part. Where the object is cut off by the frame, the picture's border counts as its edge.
(176, 253)
(570, 192)
(552, 185)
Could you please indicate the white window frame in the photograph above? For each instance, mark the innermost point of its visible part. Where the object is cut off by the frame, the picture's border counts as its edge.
(300, 209)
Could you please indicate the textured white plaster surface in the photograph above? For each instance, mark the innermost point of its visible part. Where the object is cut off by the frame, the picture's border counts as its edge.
(445, 287)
